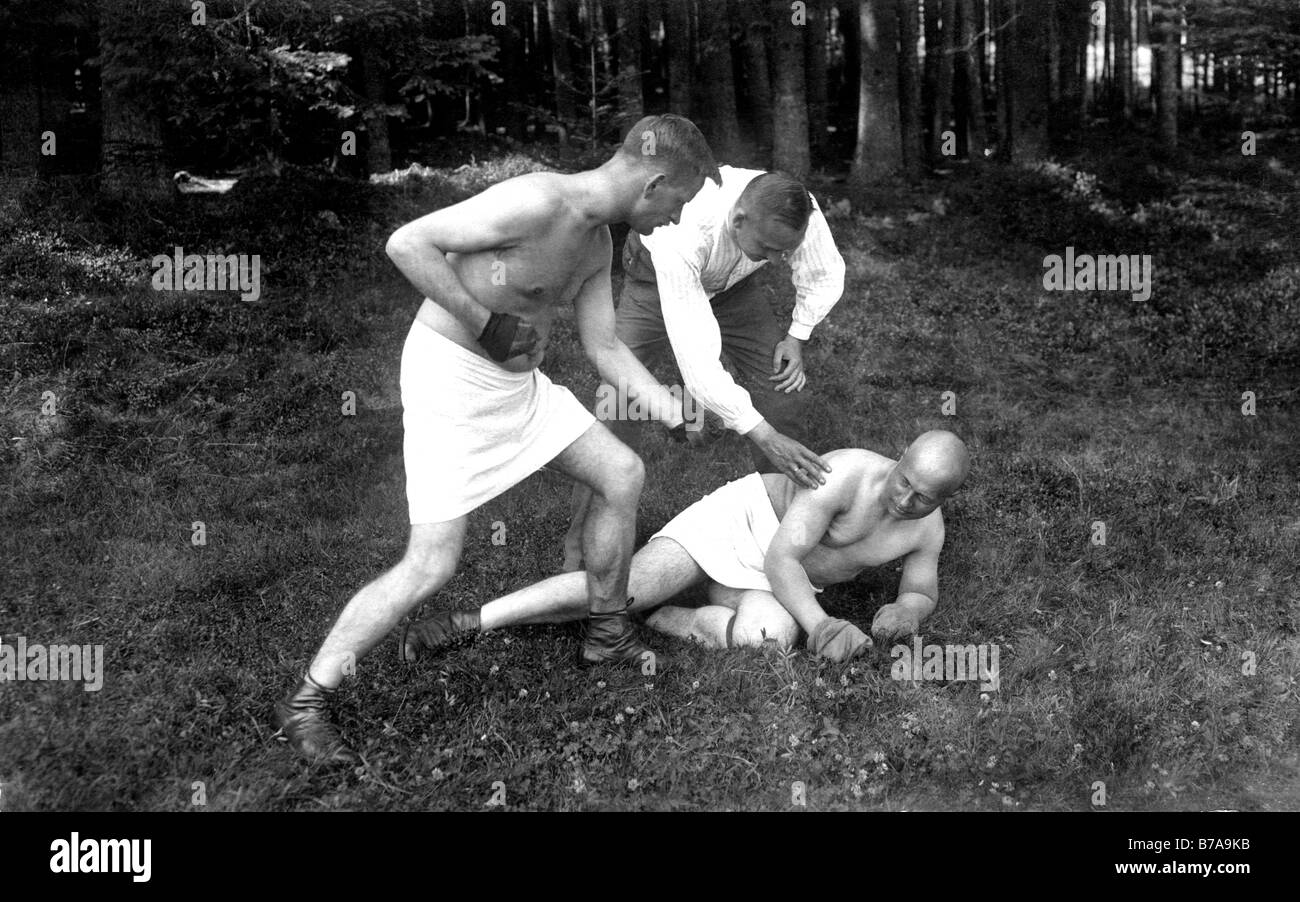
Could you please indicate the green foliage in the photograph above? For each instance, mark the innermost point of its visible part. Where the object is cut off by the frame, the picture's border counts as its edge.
(447, 66)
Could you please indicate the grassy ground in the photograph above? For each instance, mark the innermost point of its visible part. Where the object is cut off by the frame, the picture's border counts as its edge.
(1120, 663)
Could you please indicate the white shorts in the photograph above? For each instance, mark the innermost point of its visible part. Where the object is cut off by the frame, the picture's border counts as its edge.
(728, 532)
(473, 429)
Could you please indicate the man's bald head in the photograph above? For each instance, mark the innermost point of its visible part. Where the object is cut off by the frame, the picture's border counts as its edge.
(931, 470)
(939, 457)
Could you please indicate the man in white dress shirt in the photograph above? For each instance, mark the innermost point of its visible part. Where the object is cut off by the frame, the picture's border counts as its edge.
(688, 287)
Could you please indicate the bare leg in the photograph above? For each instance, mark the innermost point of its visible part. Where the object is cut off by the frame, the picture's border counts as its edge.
(706, 625)
(429, 562)
(580, 503)
(758, 617)
(615, 476)
(659, 571)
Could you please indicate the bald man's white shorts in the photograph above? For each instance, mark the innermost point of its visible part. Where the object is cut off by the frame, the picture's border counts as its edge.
(728, 532)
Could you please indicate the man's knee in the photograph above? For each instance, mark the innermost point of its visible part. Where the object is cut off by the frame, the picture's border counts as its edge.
(756, 624)
(754, 635)
(429, 568)
(622, 475)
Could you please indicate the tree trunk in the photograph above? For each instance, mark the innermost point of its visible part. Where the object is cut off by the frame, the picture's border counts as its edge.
(945, 50)
(1142, 38)
(929, 11)
(983, 22)
(1053, 55)
(602, 49)
(815, 66)
(977, 133)
(721, 125)
(758, 89)
(1073, 30)
(1001, 24)
(631, 32)
(1165, 37)
(379, 155)
(1108, 61)
(789, 102)
(677, 35)
(909, 91)
(1123, 57)
(566, 101)
(132, 149)
(1028, 90)
(878, 155)
(501, 103)
(20, 117)
(851, 85)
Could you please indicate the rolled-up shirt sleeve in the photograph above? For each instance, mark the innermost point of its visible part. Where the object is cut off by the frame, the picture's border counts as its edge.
(697, 339)
(817, 271)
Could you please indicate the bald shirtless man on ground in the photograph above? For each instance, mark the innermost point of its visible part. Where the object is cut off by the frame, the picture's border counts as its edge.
(478, 416)
(767, 546)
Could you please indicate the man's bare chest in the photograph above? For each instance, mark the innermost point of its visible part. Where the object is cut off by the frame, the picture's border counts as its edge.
(856, 540)
(550, 270)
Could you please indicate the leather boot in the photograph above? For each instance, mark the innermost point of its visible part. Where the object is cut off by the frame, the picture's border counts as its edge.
(303, 716)
(611, 639)
(441, 632)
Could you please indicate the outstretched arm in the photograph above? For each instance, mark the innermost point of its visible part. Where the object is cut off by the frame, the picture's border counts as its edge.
(805, 522)
(614, 361)
(696, 340)
(918, 590)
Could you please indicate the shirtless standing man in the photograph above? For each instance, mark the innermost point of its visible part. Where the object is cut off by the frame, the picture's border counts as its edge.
(479, 417)
(766, 545)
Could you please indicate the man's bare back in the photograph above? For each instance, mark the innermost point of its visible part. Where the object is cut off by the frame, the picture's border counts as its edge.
(532, 276)
(861, 534)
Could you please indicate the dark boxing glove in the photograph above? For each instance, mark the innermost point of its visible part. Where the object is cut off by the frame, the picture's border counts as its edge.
(498, 335)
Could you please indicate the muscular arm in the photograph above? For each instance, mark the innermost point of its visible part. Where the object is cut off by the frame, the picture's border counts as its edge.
(803, 526)
(918, 590)
(594, 306)
(500, 217)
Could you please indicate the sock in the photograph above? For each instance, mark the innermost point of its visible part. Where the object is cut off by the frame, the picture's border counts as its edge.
(307, 678)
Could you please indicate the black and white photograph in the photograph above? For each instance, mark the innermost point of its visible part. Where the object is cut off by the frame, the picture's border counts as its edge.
(650, 406)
